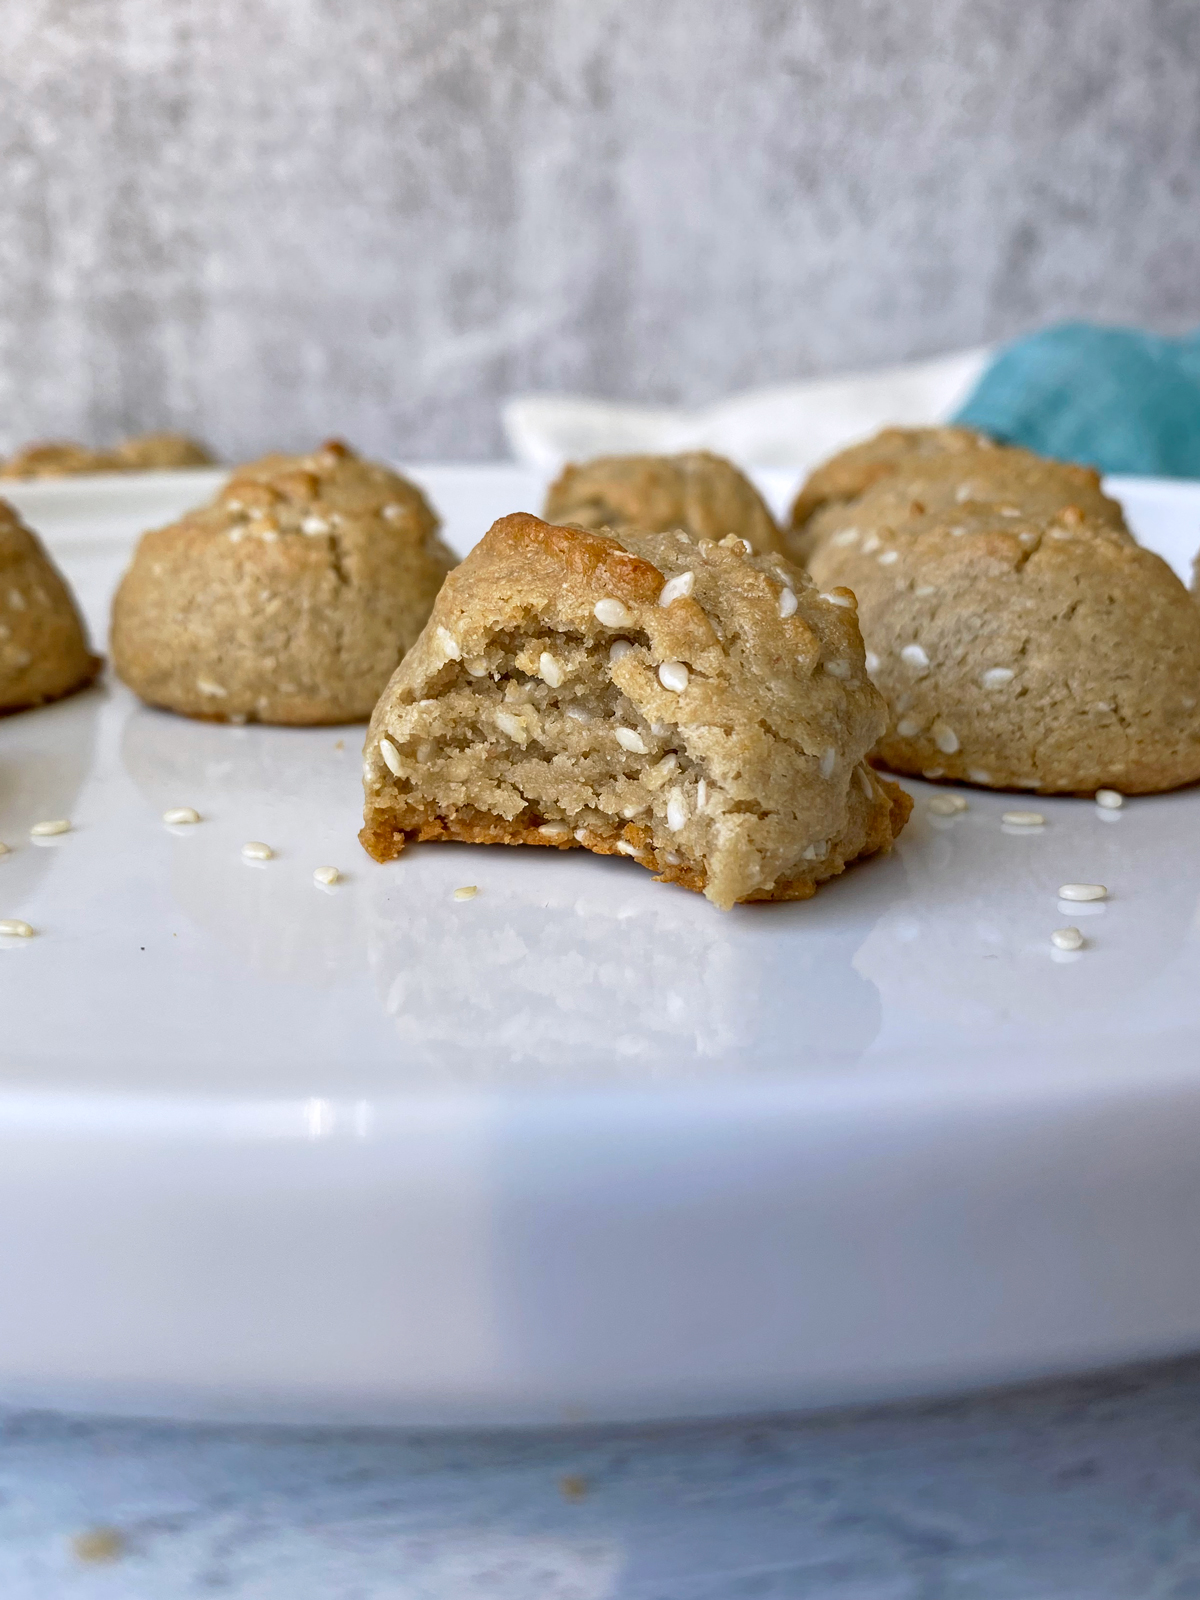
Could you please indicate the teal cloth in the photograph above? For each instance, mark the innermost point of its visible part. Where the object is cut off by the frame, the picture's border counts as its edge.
(1113, 398)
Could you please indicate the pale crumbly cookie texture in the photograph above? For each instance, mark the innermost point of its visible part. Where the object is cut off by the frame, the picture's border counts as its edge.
(44, 650)
(703, 494)
(1022, 637)
(960, 454)
(290, 598)
(146, 452)
(689, 704)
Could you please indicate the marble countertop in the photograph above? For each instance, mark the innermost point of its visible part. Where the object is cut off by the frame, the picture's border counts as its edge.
(1088, 1490)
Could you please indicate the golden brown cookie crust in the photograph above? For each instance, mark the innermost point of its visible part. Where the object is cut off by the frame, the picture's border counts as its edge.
(44, 652)
(1020, 635)
(701, 493)
(714, 730)
(290, 598)
(147, 452)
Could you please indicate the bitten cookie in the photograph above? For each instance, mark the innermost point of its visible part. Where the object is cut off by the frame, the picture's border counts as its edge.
(703, 494)
(966, 456)
(694, 706)
(147, 452)
(43, 646)
(1022, 638)
(290, 598)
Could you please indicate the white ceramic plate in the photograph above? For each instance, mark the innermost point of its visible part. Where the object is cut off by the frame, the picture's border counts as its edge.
(582, 1146)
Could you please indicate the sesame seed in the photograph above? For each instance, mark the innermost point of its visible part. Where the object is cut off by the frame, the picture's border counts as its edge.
(630, 739)
(1067, 939)
(581, 835)
(914, 656)
(1082, 891)
(618, 650)
(673, 675)
(872, 662)
(924, 590)
(451, 648)
(828, 761)
(555, 830)
(326, 876)
(550, 670)
(625, 848)
(1023, 819)
(392, 511)
(256, 850)
(46, 830)
(612, 613)
(908, 727)
(180, 814)
(467, 892)
(841, 597)
(660, 729)
(888, 558)
(871, 543)
(701, 795)
(945, 738)
(963, 493)
(997, 677)
(508, 722)
(676, 811)
(844, 537)
(207, 686)
(316, 525)
(391, 757)
(979, 775)
(1110, 799)
(787, 603)
(838, 669)
(672, 858)
(865, 783)
(947, 805)
(677, 588)
(580, 714)
(933, 772)
(814, 851)
(14, 928)
(668, 763)
(1010, 511)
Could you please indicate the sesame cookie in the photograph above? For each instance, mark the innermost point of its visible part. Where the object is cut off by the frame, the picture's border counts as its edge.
(692, 705)
(703, 494)
(147, 452)
(1021, 636)
(970, 458)
(289, 598)
(43, 646)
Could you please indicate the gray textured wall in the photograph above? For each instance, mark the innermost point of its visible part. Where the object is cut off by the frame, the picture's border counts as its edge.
(268, 219)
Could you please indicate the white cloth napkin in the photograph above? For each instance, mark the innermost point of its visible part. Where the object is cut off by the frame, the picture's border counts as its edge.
(791, 426)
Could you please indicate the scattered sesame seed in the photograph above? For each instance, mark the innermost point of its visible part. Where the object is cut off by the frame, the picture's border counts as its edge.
(963, 493)
(1010, 511)
(871, 543)
(872, 662)
(945, 738)
(677, 588)
(1023, 819)
(391, 757)
(392, 511)
(947, 805)
(672, 858)
(1110, 799)
(207, 686)
(924, 590)
(612, 613)
(841, 597)
(844, 537)
(814, 851)
(979, 775)
(630, 739)
(673, 675)
(914, 656)
(997, 677)
(581, 835)
(14, 928)
(316, 525)
(555, 830)
(625, 848)
(326, 876)
(46, 830)
(1082, 891)
(256, 850)
(787, 603)
(676, 811)
(933, 772)
(618, 650)
(668, 763)
(508, 722)
(451, 648)
(888, 558)
(838, 669)
(701, 794)
(1067, 939)
(580, 714)
(908, 727)
(828, 761)
(550, 670)
(865, 783)
(181, 814)
(660, 729)
(467, 892)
